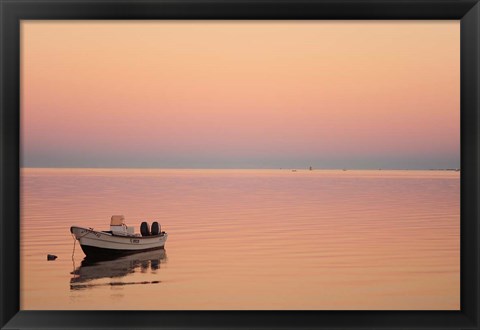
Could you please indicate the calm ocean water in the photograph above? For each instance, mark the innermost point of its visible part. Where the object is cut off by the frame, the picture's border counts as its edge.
(246, 239)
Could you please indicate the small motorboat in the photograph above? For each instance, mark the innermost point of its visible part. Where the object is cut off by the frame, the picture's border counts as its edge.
(120, 239)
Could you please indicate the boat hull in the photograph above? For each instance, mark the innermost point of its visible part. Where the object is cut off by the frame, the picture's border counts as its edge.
(105, 253)
(103, 244)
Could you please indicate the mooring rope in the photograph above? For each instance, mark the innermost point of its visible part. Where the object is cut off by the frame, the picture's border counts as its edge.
(73, 254)
(74, 244)
(75, 241)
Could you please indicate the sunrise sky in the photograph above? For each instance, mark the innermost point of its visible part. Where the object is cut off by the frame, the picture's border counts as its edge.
(240, 94)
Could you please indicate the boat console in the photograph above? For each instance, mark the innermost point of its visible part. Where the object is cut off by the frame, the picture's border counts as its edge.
(118, 226)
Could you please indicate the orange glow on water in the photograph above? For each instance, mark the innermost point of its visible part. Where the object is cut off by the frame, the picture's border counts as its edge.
(250, 239)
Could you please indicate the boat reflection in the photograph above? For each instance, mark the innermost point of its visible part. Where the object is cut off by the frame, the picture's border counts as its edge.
(91, 271)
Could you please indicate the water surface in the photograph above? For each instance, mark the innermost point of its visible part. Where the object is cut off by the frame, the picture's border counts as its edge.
(246, 239)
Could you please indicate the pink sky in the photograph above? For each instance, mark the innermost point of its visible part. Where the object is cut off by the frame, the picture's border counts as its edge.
(244, 94)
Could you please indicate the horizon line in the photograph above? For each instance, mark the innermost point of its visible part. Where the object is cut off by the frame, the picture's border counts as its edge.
(233, 168)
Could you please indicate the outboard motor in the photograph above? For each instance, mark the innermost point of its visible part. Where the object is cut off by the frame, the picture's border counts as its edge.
(144, 229)
(155, 228)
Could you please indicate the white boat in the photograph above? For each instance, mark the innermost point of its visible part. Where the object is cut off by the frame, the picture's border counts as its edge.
(119, 240)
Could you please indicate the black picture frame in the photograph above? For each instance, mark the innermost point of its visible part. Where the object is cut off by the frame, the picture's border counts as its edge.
(13, 11)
